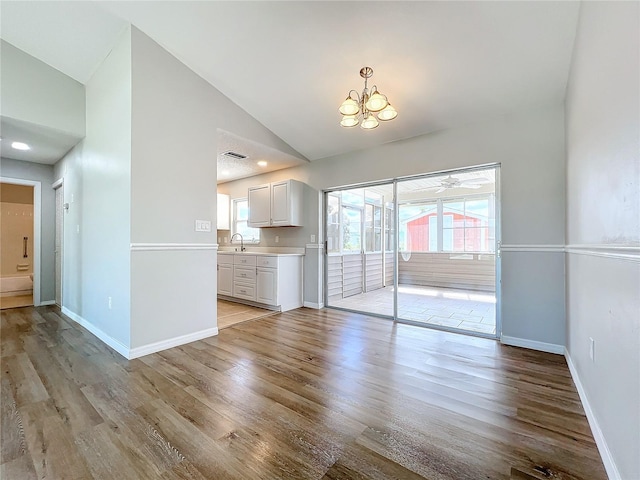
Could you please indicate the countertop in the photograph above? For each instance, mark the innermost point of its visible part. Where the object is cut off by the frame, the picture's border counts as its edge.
(261, 253)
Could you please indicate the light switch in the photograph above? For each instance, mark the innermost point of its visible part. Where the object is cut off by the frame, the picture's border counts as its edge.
(203, 226)
(313, 239)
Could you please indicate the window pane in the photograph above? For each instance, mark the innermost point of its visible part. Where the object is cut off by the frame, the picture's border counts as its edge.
(353, 197)
(433, 233)
(240, 217)
(249, 234)
(242, 210)
(351, 229)
(477, 213)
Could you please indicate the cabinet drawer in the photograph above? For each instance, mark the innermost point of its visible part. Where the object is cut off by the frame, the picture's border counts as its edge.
(244, 274)
(270, 262)
(225, 259)
(248, 260)
(241, 290)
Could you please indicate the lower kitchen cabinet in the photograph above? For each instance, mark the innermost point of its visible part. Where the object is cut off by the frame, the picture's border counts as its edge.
(274, 281)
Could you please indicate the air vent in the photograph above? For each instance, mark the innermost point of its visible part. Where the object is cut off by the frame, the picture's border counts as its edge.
(237, 156)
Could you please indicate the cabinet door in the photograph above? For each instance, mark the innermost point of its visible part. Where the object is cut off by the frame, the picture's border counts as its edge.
(280, 202)
(266, 282)
(260, 206)
(225, 280)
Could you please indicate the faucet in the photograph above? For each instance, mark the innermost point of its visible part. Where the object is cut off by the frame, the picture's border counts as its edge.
(242, 249)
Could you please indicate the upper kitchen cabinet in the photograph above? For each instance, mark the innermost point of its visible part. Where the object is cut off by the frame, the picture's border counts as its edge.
(277, 204)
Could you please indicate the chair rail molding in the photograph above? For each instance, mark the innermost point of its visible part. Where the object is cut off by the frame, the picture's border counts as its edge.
(140, 247)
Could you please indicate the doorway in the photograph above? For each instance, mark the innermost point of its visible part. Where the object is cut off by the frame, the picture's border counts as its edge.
(439, 268)
(17, 245)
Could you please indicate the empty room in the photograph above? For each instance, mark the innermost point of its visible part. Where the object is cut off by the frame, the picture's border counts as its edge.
(320, 240)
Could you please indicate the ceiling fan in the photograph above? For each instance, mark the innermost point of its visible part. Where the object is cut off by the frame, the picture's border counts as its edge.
(453, 182)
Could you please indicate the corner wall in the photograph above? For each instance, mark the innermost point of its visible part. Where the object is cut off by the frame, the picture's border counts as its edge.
(97, 179)
(603, 228)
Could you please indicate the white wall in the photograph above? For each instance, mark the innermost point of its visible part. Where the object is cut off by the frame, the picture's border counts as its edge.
(97, 186)
(175, 117)
(43, 174)
(34, 92)
(603, 221)
(530, 148)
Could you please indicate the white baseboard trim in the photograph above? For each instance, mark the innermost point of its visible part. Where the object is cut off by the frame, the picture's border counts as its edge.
(109, 340)
(532, 344)
(47, 302)
(317, 306)
(605, 453)
(171, 342)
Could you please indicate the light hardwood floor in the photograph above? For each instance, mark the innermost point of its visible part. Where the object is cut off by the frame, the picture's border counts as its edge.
(232, 313)
(302, 394)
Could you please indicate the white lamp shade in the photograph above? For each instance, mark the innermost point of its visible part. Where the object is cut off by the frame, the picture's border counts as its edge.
(370, 122)
(387, 113)
(349, 121)
(349, 107)
(376, 102)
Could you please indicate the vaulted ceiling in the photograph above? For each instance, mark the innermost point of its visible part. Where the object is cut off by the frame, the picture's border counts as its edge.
(290, 64)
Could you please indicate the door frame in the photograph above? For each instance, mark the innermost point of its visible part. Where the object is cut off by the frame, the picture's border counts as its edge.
(37, 225)
(57, 185)
(394, 182)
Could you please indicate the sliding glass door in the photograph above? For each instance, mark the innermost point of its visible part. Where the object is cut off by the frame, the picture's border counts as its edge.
(443, 273)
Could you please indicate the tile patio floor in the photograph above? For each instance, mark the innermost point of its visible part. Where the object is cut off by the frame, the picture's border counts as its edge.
(462, 309)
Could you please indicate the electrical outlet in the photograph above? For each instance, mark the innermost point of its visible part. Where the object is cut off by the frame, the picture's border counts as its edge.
(313, 239)
(277, 238)
(225, 239)
(109, 302)
(592, 349)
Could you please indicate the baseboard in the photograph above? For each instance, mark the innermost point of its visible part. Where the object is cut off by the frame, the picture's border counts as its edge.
(532, 344)
(171, 342)
(317, 306)
(47, 302)
(605, 453)
(109, 340)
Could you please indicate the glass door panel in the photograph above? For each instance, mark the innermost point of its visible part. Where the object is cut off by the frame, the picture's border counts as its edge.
(359, 236)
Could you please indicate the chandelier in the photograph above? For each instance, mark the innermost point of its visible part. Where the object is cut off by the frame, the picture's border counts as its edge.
(368, 108)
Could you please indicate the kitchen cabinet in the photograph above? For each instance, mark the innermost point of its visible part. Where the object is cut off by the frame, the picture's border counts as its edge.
(277, 204)
(270, 280)
(225, 276)
(223, 218)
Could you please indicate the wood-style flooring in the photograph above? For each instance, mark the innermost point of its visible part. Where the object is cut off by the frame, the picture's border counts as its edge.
(304, 394)
(232, 313)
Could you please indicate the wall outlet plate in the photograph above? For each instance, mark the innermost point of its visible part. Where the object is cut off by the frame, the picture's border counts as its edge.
(203, 226)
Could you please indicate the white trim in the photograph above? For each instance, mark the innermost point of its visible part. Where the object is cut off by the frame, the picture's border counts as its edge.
(316, 306)
(58, 183)
(619, 252)
(605, 453)
(109, 340)
(314, 245)
(46, 302)
(37, 229)
(137, 247)
(171, 342)
(532, 344)
(533, 248)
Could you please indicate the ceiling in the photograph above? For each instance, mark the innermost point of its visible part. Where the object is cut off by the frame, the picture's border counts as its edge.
(290, 64)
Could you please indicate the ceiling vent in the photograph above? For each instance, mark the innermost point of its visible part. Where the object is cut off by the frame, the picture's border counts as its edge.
(234, 155)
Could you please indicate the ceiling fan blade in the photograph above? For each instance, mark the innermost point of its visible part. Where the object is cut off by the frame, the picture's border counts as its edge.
(469, 185)
(441, 189)
(478, 180)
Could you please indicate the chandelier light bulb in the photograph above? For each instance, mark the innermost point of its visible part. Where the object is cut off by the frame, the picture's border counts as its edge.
(376, 101)
(349, 121)
(349, 107)
(387, 113)
(370, 122)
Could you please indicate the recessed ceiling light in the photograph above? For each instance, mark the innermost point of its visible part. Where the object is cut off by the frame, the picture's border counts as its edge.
(262, 163)
(20, 146)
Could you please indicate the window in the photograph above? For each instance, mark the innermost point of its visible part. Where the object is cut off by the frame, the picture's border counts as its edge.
(464, 224)
(373, 228)
(351, 229)
(333, 223)
(388, 227)
(240, 219)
